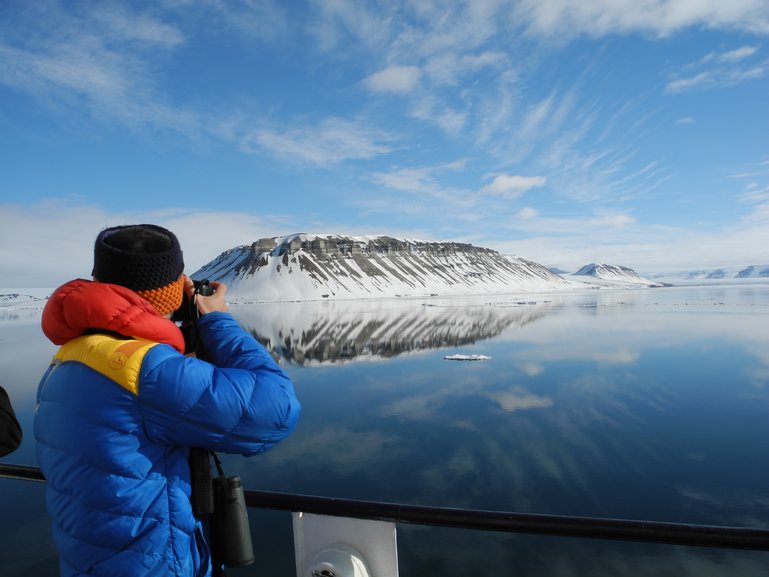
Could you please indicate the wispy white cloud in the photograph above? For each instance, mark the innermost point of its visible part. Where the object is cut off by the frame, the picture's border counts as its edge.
(700, 80)
(333, 141)
(448, 69)
(527, 213)
(427, 182)
(412, 180)
(395, 79)
(437, 112)
(735, 55)
(339, 22)
(105, 60)
(512, 185)
(718, 70)
(100, 60)
(262, 20)
(565, 18)
(755, 194)
(119, 22)
(593, 224)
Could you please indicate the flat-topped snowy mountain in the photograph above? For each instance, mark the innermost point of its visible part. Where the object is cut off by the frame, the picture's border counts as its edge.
(332, 266)
(613, 275)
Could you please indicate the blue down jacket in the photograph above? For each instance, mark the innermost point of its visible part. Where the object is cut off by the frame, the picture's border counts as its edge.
(117, 412)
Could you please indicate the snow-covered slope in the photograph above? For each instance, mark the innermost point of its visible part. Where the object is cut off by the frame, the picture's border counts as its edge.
(317, 267)
(23, 298)
(754, 271)
(18, 304)
(613, 275)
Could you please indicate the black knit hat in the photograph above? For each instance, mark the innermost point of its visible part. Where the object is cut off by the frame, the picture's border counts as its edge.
(143, 258)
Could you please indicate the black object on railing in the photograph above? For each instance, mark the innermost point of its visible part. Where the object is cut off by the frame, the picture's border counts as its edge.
(752, 538)
(23, 472)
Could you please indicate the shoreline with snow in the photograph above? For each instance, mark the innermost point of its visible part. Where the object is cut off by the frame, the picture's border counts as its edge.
(36, 298)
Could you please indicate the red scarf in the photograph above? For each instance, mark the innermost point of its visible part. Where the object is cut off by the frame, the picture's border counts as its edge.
(80, 305)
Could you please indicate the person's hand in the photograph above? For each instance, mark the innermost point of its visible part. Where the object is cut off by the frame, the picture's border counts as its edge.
(207, 304)
(214, 302)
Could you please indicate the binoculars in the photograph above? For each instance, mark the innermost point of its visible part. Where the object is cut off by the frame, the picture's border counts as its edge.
(188, 312)
(223, 502)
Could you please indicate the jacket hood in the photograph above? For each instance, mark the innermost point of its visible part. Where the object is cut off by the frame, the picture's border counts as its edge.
(80, 305)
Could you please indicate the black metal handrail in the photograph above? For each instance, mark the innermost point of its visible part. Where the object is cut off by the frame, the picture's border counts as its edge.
(750, 538)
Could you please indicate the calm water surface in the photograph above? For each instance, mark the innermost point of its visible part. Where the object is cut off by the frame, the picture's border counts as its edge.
(648, 404)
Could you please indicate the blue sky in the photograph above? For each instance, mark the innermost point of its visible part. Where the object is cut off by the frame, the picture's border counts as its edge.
(618, 131)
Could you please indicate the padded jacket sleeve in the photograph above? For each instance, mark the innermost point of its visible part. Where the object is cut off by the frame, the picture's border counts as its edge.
(240, 402)
(10, 431)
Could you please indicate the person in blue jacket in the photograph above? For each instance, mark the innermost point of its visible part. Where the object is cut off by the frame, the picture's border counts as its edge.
(121, 405)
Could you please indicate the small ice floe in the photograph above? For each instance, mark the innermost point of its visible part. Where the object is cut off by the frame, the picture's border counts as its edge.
(466, 358)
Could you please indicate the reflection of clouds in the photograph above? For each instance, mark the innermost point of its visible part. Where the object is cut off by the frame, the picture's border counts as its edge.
(506, 462)
(759, 374)
(609, 353)
(463, 466)
(752, 505)
(428, 403)
(519, 399)
(615, 327)
(759, 378)
(415, 407)
(514, 455)
(531, 369)
(620, 356)
(701, 497)
(335, 446)
(488, 553)
(588, 425)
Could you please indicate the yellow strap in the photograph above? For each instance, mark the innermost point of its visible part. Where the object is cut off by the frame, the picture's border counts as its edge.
(118, 359)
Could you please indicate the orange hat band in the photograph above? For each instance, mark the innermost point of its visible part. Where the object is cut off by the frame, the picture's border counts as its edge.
(165, 299)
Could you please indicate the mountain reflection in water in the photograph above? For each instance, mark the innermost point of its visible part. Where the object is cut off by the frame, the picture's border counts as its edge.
(307, 333)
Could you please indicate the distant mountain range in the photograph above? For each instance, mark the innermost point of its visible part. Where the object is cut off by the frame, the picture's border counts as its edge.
(752, 271)
(331, 266)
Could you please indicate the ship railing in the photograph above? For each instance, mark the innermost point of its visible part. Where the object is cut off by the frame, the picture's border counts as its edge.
(355, 538)
(751, 538)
